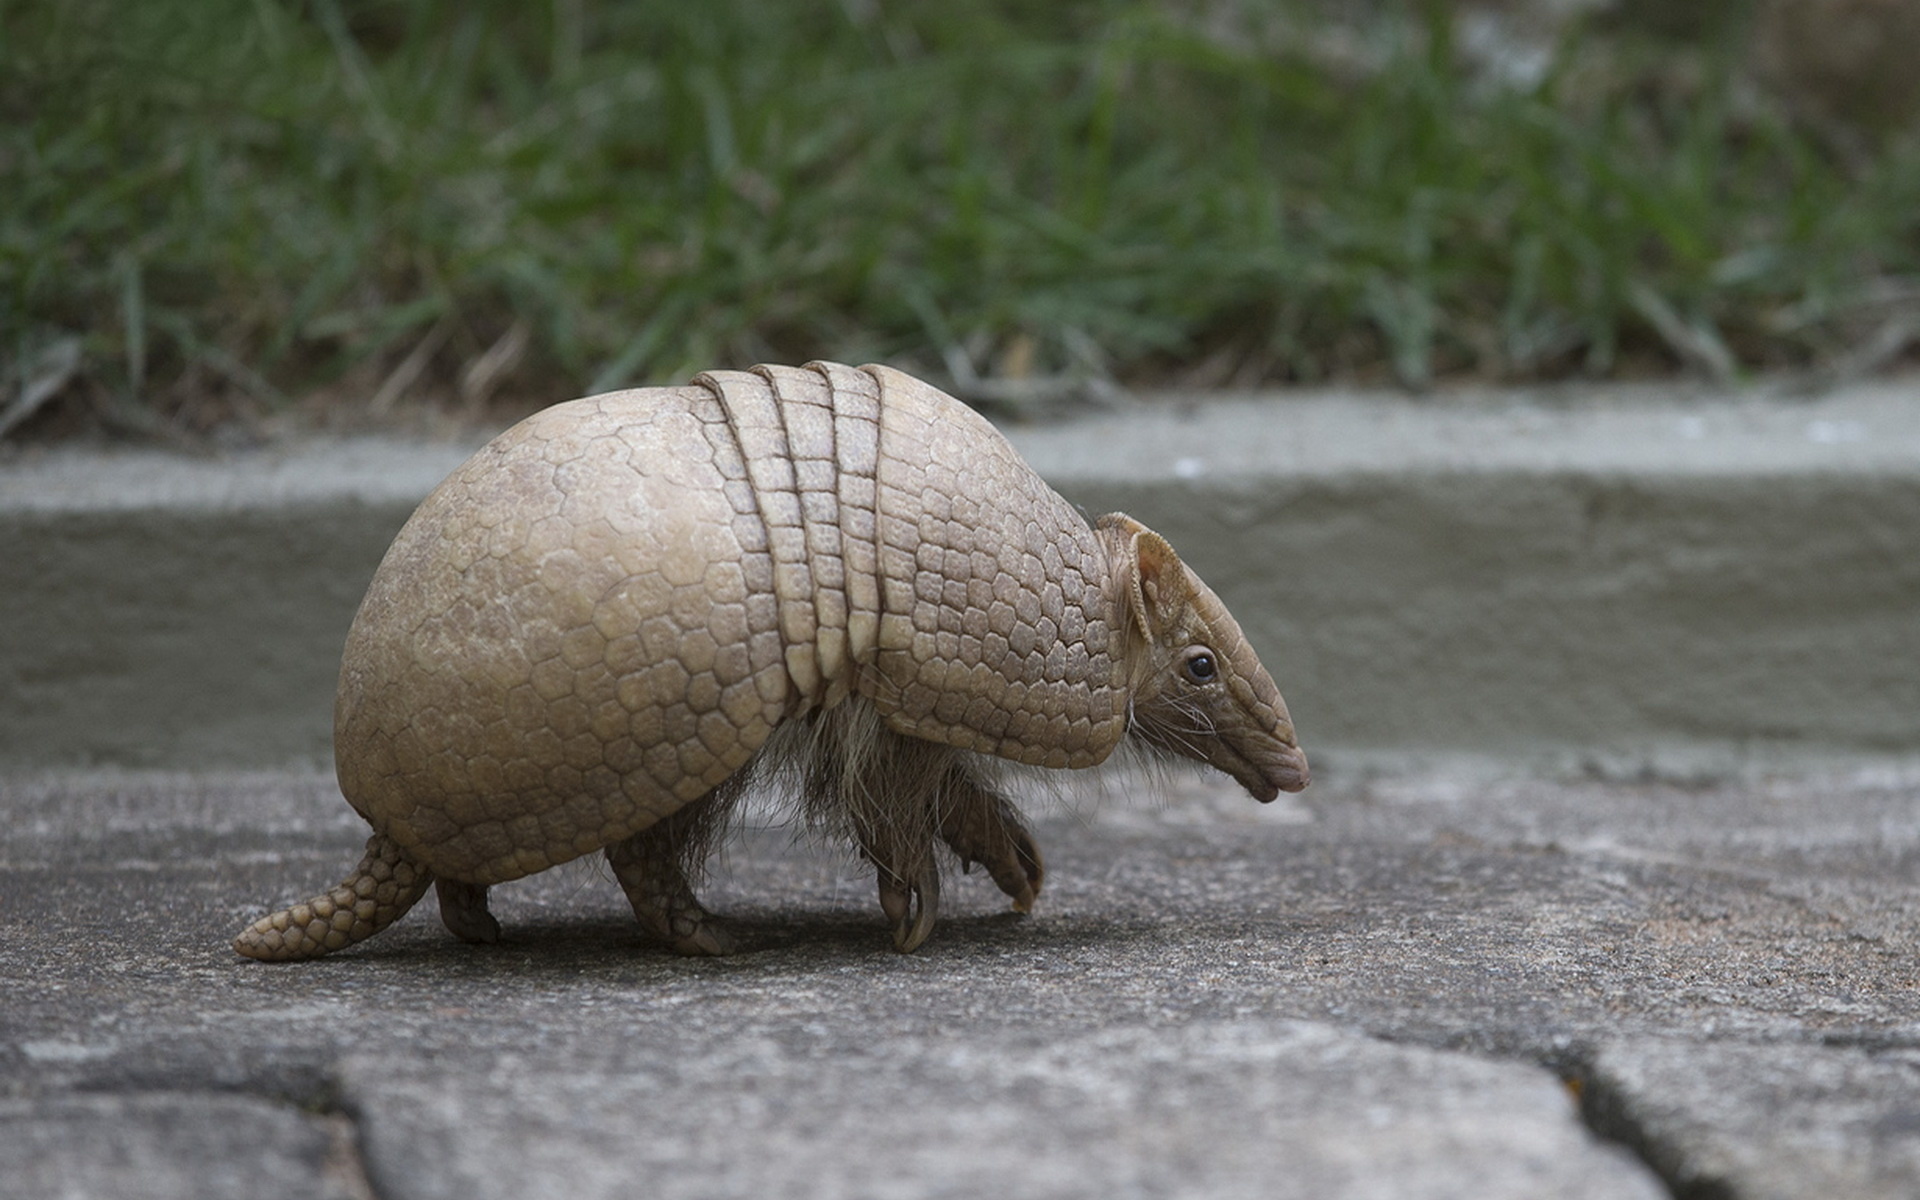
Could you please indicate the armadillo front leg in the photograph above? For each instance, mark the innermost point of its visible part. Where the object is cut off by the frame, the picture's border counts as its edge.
(652, 868)
(982, 826)
(909, 882)
(383, 887)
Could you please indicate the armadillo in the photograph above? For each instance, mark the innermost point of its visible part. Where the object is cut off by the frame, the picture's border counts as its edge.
(627, 610)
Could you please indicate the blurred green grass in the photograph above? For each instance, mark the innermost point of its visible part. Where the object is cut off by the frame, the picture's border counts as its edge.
(231, 207)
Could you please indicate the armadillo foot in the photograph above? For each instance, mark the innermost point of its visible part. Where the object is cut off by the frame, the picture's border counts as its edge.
(910, 904)
(983, 826)
(649, 869)
(385, 885)
(463, 909)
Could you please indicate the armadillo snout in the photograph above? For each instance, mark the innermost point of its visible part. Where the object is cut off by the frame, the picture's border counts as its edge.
(1286, 771)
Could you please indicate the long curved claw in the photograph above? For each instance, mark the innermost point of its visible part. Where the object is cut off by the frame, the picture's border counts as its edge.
(1022, 873)
(911, 908)
(984, 827)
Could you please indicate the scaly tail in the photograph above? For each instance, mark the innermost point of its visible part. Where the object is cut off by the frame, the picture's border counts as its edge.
(385, 884)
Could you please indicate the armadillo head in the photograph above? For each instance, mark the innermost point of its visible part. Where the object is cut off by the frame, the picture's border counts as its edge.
(1196, 687)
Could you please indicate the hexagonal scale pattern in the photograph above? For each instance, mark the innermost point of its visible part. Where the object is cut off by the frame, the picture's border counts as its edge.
(605, 612)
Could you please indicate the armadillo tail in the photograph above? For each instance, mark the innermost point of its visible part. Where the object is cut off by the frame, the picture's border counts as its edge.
(386, 884)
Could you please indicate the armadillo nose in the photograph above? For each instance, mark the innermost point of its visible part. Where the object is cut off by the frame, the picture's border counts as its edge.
(1290, 772)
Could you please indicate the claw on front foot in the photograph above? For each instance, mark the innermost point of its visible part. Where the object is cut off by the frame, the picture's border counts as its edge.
(910, 907)
(984, 827)
(1021, 872)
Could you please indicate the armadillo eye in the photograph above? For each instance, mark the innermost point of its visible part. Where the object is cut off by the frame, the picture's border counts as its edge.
(1200, 667)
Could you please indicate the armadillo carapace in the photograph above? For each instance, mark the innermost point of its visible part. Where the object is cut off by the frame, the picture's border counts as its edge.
(625, 610)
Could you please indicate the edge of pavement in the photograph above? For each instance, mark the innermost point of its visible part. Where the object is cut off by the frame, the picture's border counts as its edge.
(1618, 580)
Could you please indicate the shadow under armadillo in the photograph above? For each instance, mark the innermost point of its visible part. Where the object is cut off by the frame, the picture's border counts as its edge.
(807, 943)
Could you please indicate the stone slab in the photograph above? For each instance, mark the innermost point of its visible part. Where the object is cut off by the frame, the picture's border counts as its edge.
(1768, 1121)
(1230, 1109)
(173, 1146)
(1439, 951)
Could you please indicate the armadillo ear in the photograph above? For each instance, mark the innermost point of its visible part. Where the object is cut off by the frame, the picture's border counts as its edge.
(1159, 591)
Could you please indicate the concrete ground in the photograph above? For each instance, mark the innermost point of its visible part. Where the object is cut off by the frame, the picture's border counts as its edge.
(1608, 884)
(1424, 987)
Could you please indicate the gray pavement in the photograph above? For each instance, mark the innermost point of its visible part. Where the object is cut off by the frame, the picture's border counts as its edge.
(1408, 986)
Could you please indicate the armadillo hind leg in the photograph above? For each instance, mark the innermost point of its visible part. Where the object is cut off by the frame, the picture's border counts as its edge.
(463, 910)
(383, 887)
(982, 826)
(655, 867)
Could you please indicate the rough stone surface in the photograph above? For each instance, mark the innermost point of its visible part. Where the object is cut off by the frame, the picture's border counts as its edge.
(1238, 1108)
(1374, 988)
(173, 1146)
(1767, 1120)
(1614, 581)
